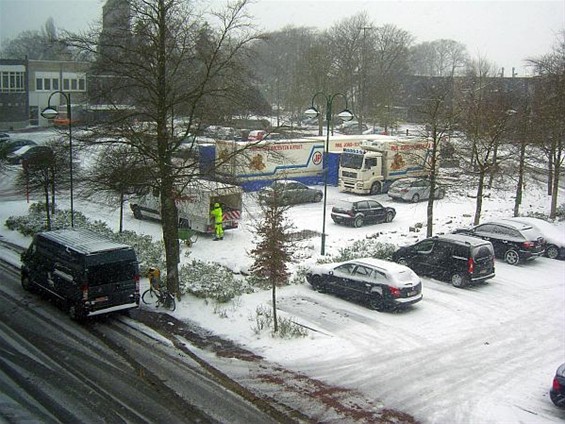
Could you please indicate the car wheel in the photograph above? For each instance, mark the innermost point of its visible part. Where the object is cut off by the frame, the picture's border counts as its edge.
(318, 197)
(26, 283)
(458, 280)
(376, 188)
(552, 251)
(358, 221)
(75, 312)
(389, 217)
(376, 302)
(318, 284)
(416, 198)
(402, 261)
(136, 212)
(511, 257)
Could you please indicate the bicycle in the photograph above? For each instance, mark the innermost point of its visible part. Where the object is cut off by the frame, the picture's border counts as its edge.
(159, 298)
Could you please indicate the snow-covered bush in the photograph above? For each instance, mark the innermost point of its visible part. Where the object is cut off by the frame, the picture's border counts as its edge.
(287, 328)
(211, 281)
(362, 249)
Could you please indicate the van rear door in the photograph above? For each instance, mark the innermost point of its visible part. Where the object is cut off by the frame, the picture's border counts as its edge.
(111, 285)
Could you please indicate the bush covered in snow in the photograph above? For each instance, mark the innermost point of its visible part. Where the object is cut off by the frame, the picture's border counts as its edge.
(368, 247)
(211, 281)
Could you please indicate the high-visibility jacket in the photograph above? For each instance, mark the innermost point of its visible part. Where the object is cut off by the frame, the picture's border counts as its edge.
(218, 215)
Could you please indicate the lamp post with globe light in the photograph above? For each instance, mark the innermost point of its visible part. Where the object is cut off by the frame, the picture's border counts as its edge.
(344, 115)
(50, 113)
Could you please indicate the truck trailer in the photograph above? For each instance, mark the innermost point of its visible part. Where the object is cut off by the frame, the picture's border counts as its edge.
(374, 165)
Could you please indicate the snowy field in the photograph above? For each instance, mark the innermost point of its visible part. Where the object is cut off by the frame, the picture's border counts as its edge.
(483, 354)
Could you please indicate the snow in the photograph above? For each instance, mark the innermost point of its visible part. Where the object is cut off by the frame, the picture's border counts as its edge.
(483, 354)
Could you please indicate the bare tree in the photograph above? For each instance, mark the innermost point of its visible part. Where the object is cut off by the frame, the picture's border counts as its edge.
(439, 58)
(163, 71)
(549, 112)
(485, 117)
(439, 115)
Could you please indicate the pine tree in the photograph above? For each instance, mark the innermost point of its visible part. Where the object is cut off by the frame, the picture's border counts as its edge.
(274, 248)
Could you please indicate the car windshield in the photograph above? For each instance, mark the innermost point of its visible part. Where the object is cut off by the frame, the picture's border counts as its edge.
(351, 160)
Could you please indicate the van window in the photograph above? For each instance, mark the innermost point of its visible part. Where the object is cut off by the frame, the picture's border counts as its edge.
(482, 252)
(111, 273)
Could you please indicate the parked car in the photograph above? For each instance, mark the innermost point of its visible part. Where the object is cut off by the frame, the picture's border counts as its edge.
(456, 258)
(10, 145)
(557, 391)
(414, 190)
(287, 192)
(358, 212)
(554, 238)
(513, 241)
(383, 285)
(29, 153)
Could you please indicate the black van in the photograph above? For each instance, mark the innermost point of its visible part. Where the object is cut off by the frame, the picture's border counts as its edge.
(88, 273)
(457, 258)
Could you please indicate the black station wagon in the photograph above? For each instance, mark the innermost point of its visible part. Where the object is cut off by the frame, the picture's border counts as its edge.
(357, 212)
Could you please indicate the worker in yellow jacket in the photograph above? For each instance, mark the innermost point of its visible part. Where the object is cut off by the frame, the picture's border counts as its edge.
(218, 216)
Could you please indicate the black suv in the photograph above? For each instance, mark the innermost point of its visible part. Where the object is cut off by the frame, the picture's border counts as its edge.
(512, 241)
(456, 258)
(358, 212)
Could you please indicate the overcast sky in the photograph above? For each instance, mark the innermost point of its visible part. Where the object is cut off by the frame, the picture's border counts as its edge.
(504, 32)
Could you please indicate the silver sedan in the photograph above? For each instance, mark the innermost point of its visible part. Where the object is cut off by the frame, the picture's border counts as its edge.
(414, 190)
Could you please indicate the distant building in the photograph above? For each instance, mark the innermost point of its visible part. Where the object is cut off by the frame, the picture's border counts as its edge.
(26, 85)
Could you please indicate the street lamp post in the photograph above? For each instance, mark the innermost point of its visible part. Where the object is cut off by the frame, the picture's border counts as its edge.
(345, 115)
(50, 113)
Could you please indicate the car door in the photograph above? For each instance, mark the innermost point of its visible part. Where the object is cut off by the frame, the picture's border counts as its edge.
(360, 282)
(339, 277)
(418, 257)
(438, 262)
(362, 207)
(491, 233)
(299, 192)
(423, 189)
(377, 211)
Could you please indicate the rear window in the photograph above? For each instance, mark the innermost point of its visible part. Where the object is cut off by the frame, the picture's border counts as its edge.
(482, 252)
(111, 273)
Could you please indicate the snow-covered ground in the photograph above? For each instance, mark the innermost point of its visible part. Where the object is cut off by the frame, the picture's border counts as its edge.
(483, 354)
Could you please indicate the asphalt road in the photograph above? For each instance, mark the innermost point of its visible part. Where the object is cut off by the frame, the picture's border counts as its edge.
(55, 370)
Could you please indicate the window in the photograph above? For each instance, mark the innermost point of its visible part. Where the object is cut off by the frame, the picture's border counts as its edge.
(363, 271)
(375, 205)
(345, 269)
(39, 84)
(363, 204)
(12, 82)
(424, 246)
(47, 84)
(66, 84)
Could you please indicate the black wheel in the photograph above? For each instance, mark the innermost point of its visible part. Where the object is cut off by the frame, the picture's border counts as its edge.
(318, 197)
(376, 188)
(26, 283)
(415, 198)
(76, 312)
(358, 221)
(136, 212)
(169, 302)
(511, 257)
(552, 251)
(376, 302)
(318, 284)
(458, 280)
(389, 217)
(402, 261)
(149, 297)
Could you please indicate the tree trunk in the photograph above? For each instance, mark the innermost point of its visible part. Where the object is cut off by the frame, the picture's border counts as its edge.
(520, 185)
(274, 296)
(121, 212)
(479, 204)
(555, 191)
(47, 206)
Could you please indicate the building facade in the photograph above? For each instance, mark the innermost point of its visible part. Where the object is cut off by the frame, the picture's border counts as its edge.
(26, 87)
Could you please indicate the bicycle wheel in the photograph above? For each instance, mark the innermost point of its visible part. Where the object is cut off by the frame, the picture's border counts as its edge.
(169, 302)
(149, 297)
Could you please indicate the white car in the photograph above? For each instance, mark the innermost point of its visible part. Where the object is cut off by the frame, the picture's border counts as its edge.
(414, 190)
(554, 237)
(382, 284)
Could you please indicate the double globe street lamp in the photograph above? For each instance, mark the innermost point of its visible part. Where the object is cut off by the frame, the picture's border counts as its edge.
(50, 113)
(345, 115)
